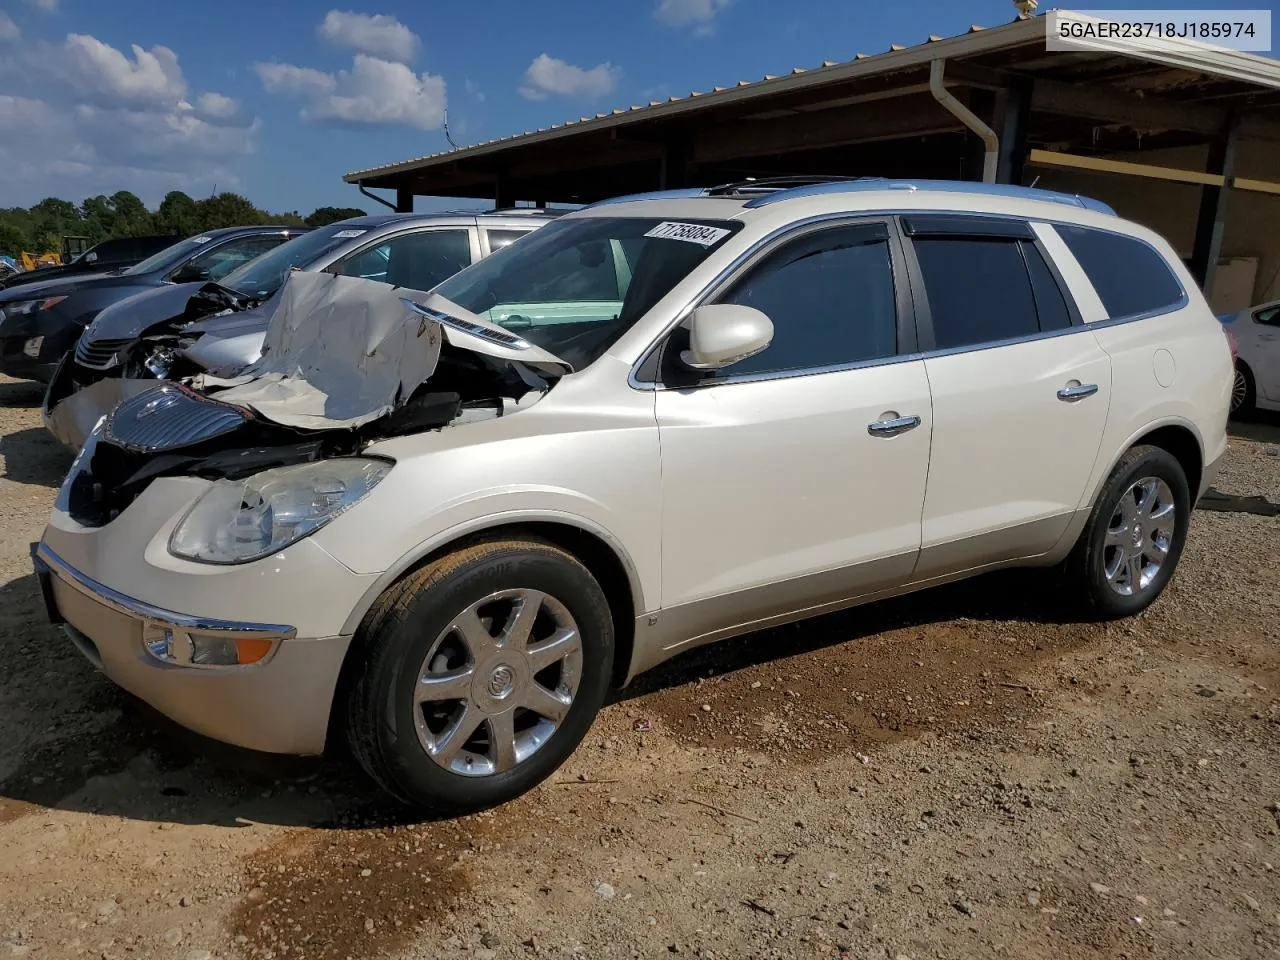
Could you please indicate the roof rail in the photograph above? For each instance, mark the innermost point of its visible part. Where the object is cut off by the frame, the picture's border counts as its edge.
(754, 185)
(867, 184)
(677, 194)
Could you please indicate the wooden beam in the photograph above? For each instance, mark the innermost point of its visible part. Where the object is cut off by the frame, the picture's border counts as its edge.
(883, 120)
(1049, 158)
(1107, 105)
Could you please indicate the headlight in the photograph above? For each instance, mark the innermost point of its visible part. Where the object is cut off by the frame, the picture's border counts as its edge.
(241, 520)
(25, 308)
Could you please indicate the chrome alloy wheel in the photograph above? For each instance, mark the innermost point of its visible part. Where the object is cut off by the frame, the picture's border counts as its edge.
(1239, 390)
(1139, 536)
(498, 682)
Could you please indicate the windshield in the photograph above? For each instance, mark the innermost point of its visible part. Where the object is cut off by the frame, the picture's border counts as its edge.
(265, 275)
(169, 257)
(575, 286)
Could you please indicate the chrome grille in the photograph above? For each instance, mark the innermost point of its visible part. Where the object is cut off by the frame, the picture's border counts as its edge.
(168, 418)
(100, 354)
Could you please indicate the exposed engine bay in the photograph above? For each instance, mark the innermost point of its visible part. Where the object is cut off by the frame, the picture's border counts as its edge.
(345, 362)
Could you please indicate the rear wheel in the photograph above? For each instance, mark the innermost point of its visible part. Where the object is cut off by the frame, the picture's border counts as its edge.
(1242, 391)
(482, 672)
(1133, 539)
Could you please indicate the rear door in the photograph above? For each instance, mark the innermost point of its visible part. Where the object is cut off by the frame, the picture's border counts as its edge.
(1020, 392)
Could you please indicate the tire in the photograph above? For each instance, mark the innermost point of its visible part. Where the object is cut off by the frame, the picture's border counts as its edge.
(415, 750)
(1103, 548)
(1243, 391)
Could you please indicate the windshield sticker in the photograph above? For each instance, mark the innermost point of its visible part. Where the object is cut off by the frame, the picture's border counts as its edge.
(689, 232)
(347, 234)
(201, 239)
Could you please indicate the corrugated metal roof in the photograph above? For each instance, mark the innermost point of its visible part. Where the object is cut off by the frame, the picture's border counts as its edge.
(766, 79)
(1185, 55)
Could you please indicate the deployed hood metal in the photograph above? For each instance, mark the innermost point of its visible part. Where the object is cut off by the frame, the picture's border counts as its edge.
(343, 351)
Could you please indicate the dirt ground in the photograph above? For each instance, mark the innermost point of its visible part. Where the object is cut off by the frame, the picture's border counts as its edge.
(964, 773)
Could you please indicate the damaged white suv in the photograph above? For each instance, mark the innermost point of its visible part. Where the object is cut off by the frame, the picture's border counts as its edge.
(440, 525)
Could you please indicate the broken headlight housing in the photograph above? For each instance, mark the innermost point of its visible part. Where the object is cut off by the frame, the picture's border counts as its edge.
(236, 521)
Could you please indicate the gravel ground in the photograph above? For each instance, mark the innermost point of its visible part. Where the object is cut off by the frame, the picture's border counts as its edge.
(969, 772)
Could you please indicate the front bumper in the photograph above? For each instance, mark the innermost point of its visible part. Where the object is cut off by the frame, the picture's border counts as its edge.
(279, 705)
(58, 339)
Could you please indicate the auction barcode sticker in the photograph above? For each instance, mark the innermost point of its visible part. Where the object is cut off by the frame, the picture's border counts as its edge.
(690, 232)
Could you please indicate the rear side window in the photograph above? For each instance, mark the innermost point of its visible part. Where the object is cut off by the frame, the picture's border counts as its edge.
(1130, 277)
(979, 290)
(503, 238)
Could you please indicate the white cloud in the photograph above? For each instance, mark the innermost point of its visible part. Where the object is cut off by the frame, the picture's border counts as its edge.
(101, 71)
(548, 75)
(103, 121)
(378, 35)
(216, 105)
(286, 78)
(48, 6)
(700, 14)
(373, 91)
(8, 29)
(474, 91)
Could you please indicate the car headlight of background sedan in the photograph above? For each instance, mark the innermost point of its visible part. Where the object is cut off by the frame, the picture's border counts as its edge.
(236, 521)
(27, 308)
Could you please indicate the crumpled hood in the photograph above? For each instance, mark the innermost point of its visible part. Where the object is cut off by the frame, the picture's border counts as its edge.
(128, 318)
(343, 351)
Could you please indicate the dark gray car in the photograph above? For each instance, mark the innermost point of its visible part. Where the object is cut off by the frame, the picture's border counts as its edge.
(183, 330)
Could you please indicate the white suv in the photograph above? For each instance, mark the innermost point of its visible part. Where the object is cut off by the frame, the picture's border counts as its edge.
(658, 422)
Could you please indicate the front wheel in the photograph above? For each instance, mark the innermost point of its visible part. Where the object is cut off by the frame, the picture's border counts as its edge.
(1133, 539)
(482, 672)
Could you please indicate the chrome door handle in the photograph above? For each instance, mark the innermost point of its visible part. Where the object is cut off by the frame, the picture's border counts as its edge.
(891, 428)
(1077, 391)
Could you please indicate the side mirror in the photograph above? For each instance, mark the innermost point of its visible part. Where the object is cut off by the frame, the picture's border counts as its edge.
(189, 274)
(91, 257)
(721, 334)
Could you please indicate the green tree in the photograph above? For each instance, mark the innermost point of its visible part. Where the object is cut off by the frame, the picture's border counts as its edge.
(131, 216)
(227, 210)
(177, 214)
(12, 240)
(322, 216)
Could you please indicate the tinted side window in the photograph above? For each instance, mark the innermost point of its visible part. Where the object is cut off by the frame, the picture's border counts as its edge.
(415, 260)
(1051, 305)
(503, 238)
(1129, 276)
(978, 289)
(1269, 317)
(222, 260)
(831, 299)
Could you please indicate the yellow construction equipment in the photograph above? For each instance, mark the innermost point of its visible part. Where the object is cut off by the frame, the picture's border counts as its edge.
(34, 261)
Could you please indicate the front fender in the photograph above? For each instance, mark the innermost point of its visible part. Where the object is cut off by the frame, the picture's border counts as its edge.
(494, 521)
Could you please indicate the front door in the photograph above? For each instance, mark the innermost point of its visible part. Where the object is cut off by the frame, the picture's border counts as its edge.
(794, 479)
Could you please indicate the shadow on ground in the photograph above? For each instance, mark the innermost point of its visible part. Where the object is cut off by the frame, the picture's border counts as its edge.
(21, 393)
(32, 456)
(95, 748)
(1262, 426)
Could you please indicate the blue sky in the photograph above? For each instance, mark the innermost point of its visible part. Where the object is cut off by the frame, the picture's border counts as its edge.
(277, 99)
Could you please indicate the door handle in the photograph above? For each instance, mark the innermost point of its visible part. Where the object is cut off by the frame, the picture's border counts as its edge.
(891, 428)
(1077, 391)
